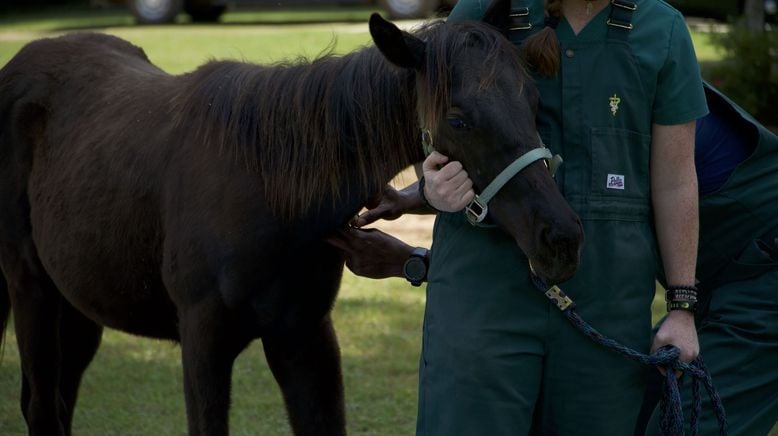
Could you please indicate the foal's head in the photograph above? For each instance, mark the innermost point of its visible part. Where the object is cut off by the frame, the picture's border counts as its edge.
(479, 105)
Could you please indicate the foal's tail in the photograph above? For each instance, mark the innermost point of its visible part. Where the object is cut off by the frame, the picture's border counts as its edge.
(24, 92)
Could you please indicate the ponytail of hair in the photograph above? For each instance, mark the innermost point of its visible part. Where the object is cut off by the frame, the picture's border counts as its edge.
(541, 50)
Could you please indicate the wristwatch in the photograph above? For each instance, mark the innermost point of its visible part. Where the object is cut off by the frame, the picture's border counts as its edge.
(415, 268)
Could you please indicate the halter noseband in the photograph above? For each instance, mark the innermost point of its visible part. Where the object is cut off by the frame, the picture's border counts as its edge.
(477, 210)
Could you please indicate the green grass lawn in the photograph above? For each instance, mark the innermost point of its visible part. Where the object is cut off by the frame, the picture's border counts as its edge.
(180, 48)
(134, 384)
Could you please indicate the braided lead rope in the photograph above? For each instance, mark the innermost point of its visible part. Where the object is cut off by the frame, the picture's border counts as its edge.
(696, 409)
(670, 406)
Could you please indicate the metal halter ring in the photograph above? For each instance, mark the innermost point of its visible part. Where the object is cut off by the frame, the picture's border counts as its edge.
(426, 142)
(476, 211)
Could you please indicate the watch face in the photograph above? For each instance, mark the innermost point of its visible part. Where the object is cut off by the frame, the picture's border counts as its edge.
(415, 269)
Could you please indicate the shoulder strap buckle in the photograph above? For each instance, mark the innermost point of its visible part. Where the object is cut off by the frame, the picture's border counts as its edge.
(625, 4)
(519, 19)
(621, 24)
(620, 19)
(519, 12)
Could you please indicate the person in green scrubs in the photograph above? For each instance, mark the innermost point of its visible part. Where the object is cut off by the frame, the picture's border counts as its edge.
(736, 160)
(737, 269)
(498, 358)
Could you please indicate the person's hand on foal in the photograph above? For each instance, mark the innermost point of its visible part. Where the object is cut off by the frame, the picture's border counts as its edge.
(389, 205)
(371, 253)
(447, 186)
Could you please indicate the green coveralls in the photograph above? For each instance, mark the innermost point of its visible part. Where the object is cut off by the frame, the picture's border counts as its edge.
(498, 358)
(737, 269)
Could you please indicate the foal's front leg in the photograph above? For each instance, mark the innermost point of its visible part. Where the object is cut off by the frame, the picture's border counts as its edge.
(210, 343)
(306, 364)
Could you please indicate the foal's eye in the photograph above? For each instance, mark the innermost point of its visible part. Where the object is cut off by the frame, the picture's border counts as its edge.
(457, 123)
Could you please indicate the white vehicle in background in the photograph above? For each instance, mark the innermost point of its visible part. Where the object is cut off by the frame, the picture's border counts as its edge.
(165, 11)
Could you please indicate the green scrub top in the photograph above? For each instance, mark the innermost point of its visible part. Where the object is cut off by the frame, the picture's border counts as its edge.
(598, 111)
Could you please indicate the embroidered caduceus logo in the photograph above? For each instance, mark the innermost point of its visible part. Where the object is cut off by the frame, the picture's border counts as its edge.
(615, 100)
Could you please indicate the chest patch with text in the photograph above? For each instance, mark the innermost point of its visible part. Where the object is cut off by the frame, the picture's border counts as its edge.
(615, 181)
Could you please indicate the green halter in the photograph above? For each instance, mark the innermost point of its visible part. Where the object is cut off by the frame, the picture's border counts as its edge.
(477, 210)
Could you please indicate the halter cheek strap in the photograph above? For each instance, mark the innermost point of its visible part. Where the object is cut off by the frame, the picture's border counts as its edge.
(477, 210)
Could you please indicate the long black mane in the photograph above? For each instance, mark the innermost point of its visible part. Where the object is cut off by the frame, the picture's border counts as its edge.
(304, 125)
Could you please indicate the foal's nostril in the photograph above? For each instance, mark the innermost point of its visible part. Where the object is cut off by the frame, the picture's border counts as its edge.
(553, 234)
(560, 239)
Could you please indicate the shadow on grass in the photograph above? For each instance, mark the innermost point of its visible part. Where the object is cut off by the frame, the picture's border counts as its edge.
(135, 384)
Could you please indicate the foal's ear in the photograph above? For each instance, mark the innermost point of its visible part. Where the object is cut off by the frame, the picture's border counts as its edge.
(400, 48)
(498, 15)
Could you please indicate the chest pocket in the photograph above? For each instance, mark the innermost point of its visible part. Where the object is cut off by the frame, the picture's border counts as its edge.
(620, 182)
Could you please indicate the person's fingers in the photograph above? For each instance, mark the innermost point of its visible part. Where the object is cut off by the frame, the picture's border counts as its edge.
(465, 195)
(466, 186)
(678, 330)
(468, 196)
(462, 195)
(453, 176)
(463, 201)
(663, 371)
(371, 216)
(346, 238)
(451, 171)
(433, 161)
(688, 355)
(364, 219)
(450, 192)
(375, 199)
(447, 180)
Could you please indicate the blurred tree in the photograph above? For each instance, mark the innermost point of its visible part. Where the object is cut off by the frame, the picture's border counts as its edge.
(754, 15)
(748, 71)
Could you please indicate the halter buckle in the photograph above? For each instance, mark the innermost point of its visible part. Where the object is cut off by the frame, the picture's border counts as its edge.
(476, 211)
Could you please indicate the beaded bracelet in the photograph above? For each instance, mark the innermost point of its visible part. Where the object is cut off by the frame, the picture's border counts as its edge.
(681, 298)
(689, 306)
(681, 293)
